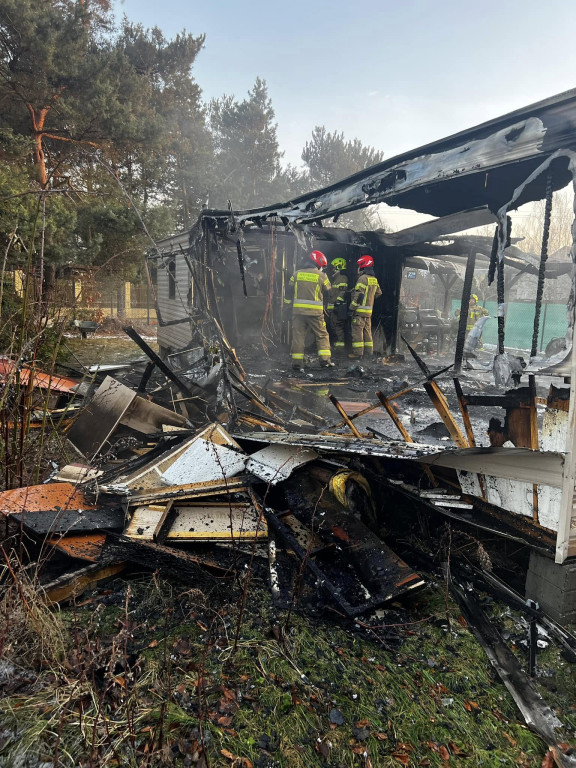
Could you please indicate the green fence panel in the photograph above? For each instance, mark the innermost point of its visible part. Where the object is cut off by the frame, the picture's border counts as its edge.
(520, 323)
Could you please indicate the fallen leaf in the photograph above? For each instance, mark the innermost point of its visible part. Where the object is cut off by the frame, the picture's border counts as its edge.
(456, 750)
(462, 621)
(358, 749)
(548, 761)
(425, 762)
(225, 720)
(444, 754)
(470, 705)
(230, 695)
(363, 724)
(402, 757)
(380, 736)
(322, 748)
(512, 741)
(239, 762)
(120, 681)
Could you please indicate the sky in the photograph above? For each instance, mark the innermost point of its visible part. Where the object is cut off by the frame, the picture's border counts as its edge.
(395, 74)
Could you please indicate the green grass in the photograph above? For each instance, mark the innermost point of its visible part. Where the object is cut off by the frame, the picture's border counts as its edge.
(269, 702)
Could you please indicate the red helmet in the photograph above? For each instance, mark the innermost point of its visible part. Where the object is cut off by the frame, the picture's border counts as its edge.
(365, 261)
(319, 259)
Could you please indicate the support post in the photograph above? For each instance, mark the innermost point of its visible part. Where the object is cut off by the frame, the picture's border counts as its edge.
(464, 304)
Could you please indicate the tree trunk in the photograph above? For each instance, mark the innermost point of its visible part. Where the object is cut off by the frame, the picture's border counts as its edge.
(38, 119)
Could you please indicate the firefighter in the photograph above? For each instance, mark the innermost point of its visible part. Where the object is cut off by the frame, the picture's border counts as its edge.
(475, 312)
(306, 291)
(337, 304)
(365, 292)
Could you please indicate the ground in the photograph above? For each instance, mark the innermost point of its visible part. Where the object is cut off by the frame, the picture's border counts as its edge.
(148, 671)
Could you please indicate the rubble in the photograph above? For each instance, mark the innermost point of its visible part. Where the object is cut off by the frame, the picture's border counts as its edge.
(192, 465)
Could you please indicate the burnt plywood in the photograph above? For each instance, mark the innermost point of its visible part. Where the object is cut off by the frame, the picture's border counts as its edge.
(77, 520)
(100, 417)
(113, 404)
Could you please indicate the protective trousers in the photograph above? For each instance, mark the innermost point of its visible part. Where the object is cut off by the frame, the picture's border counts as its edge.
(300, 325)
(362, 335)
(337, 326)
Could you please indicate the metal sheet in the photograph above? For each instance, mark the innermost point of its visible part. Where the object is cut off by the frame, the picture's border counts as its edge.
(477, 167)
(523, 464)
(277, 462)
(390, 449)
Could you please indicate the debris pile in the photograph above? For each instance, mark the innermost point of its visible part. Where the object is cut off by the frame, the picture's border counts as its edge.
(187, 474)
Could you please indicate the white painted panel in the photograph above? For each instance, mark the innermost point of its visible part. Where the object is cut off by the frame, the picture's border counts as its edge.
(469, 482)
(510, 494)
(204, 461)
(277, 462)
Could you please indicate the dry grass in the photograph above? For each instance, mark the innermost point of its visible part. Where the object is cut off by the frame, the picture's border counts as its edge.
(143, 674)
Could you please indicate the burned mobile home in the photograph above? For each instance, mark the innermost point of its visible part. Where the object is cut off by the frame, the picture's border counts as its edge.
(224, 281)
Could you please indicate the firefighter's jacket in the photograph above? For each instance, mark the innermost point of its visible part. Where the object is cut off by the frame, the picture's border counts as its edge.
(306, 291)
(474, 313)
(365, 292)
(338, 294)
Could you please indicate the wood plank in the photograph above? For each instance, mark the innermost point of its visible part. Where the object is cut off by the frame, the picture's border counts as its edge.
(344, 415)
(394, 416)
(441, 404)
(464, 413)
(73, 584)
(191, 490)
(223, 522)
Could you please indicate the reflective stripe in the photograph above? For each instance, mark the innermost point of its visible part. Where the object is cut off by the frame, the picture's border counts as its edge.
(372, 281)
(307, 277)
(339, 344)
(287, 301)
(364, 310)
(324, 353)
(330, 307)
(297, 356)
(368, 343)
(357, 343)
(303, 304)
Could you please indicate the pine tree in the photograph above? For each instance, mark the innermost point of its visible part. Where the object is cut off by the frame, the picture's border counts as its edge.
(247, 163)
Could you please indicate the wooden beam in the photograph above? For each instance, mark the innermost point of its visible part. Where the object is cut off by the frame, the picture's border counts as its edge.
(464, 412)
(393, 415)
(344, 415)
(441, 404)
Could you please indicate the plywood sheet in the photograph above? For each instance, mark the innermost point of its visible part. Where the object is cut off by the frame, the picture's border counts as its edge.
(216, 522)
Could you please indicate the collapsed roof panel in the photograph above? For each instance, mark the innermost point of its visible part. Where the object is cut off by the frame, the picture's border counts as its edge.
(477, 167)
